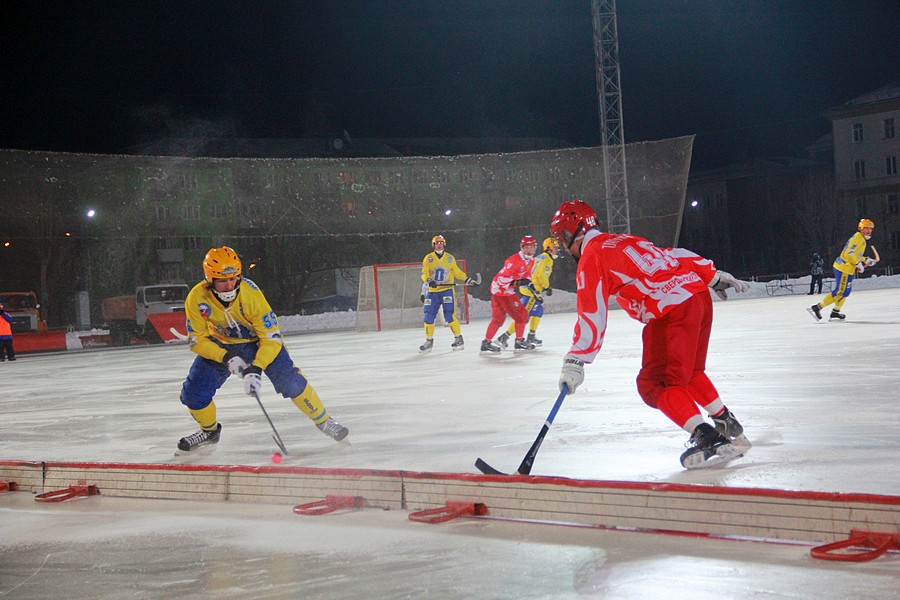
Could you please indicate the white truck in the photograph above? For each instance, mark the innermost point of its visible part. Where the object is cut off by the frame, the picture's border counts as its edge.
(147, 316)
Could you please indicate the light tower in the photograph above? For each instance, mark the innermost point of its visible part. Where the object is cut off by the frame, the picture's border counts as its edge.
(612, 134)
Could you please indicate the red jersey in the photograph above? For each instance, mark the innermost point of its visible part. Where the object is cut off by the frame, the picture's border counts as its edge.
(646, 281)
(517, 266)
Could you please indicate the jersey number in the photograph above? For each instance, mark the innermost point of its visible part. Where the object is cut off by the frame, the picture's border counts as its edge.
(270, 320)
(651, 260)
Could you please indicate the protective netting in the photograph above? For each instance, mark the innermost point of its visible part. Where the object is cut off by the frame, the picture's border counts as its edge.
(303, 227)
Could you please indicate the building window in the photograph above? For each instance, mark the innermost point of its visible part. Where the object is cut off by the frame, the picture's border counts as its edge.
(192, 242)
(888, 128)
(859, 169)
(893, 204)
(162, 212)
(890, 165)
(895, 240)
(856, 133)
(861, 205)
(219, 211)
(191, 212)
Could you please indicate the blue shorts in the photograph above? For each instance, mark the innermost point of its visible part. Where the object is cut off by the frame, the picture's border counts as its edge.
(435, 300)
(207, 376)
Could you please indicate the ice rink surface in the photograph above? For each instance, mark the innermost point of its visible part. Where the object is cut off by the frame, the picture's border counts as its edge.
(818, 402)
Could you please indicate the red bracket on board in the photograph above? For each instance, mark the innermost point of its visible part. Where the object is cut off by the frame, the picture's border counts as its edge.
(450, 511)
(8, 486)
(68, 493)
(329, 505)
(879, 543)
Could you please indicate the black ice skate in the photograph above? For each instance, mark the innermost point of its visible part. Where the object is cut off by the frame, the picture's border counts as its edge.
(815, 311)
(426, 347)
(531, 339)
(708, 447)
(503, 340)
(201, 438)
(333, 429)
(487, 346)
(458, 344)
(729, 427)
(837, 316)
(523, 345)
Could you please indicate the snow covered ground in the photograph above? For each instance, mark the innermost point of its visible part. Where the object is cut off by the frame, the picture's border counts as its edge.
(818, 401)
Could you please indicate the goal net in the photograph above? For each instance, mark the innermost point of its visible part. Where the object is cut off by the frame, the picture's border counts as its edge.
(389, 297)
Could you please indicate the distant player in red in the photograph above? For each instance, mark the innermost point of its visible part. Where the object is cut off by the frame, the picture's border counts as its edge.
(516, 272)
(667, 289)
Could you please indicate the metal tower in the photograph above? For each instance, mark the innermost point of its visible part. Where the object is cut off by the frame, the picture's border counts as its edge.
(609, 92)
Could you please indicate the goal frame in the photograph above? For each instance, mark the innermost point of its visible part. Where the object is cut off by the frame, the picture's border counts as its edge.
(462, 297)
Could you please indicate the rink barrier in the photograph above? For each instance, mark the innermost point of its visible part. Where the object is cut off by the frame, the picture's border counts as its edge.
(661, 507)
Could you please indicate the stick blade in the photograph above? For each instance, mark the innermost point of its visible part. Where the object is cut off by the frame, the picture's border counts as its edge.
(486, 468)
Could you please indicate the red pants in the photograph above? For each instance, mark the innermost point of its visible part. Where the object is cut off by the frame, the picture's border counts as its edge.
(502, 306)
(672, 376)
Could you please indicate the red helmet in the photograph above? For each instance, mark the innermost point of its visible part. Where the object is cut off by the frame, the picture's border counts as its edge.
(528, 239)
(571, 220)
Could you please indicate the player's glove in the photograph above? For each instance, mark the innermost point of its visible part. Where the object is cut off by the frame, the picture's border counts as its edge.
(572, 374)
(861, 267)
(235, 364)
(535, 293)
(548, 291)
(522, 282)
(422, 298)
(252, 380)
(724, 280)
(472, 282)
(432, 283)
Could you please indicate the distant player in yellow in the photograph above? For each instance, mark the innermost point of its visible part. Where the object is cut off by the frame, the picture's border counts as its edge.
(534, 304)
(439, 272)
(846, 266)
(234, 331)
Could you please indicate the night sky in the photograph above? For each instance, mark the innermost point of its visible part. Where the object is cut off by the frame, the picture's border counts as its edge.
(749, 78)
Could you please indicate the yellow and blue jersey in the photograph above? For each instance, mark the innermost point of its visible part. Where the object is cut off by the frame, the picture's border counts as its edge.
(851, 255)
(540, 273)
(249, 318)
(443, 269)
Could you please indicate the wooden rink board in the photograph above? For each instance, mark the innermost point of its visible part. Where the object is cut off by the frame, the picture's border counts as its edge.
(691, 509)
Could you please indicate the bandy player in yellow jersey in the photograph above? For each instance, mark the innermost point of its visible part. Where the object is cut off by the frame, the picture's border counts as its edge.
(234, 331)
(850, 262)
(439, 272)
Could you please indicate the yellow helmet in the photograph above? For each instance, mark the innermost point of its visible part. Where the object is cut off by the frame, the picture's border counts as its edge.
(863, 223)
(550, 243)
(221, 263)
(438, 238)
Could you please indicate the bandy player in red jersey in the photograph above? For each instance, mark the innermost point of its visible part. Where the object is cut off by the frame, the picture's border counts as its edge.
(516, 272)
(667, 290)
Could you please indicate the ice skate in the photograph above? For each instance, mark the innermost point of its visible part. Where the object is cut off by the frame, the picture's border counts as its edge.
(488, 346)
(426, 347)
(728, 426)
(199, 439)
(815, 311)
(836, 316)
(503, 340)
(458, 344)
(333, 429)
(707, 448)
(532, 339)
(523, 345)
